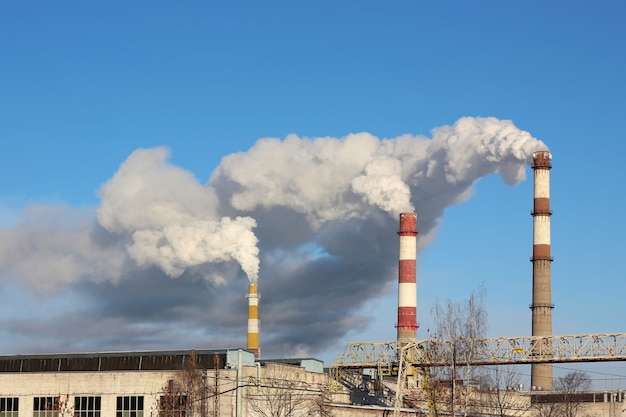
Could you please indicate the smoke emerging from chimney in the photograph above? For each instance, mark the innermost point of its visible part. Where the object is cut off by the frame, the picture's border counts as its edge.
(164, 217)
(314, 218)
(171, 220)
(175, 223)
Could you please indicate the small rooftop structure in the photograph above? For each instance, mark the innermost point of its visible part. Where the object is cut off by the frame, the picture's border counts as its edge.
(309, 364)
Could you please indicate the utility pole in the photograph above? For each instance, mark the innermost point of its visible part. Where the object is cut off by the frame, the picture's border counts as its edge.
(239, 396)
(216, 388)
(204, 394)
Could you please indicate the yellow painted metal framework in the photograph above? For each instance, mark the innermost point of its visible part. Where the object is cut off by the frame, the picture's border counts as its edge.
(494, 351)
(398, 358)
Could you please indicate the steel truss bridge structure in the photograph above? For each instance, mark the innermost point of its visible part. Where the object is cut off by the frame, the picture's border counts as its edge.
(397, 358)
(490, 351)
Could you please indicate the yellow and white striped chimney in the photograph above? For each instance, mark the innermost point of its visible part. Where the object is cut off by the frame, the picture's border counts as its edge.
(253, 319)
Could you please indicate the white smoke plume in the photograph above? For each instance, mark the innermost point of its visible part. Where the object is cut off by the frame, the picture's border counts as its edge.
(171, 219)
(337, 179)
(314, 218)
(166, 218)
(52, 247)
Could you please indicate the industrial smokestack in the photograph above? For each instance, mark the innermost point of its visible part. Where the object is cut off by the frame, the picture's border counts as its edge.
(407, 284)
(253, 319)
(541, 307)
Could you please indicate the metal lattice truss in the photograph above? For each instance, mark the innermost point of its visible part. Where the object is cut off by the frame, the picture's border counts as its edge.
(396, 358)
(492, 351)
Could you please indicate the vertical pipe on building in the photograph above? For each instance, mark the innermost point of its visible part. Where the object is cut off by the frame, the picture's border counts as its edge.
(253, 319)
(541, 307)
(239, 387)
(407, 283)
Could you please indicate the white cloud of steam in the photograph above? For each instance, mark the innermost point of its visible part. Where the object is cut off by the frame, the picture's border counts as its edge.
(173, 222)
(264, 211)
(147, 192)
(172, 219)
(472, 144)
(180, 246)
(162, 216)
(381, 185)
(310, 176)
(54, 246)
(336, 179)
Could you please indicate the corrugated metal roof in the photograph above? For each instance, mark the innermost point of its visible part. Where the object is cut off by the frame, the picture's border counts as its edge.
(114, 361)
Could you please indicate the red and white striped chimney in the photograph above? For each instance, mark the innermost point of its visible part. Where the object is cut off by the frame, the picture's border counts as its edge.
(407, 283)
(541, 307)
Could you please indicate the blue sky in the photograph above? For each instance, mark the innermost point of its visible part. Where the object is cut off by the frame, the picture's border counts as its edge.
(83, 85)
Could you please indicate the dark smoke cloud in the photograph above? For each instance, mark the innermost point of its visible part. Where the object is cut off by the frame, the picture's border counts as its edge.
(161, 262)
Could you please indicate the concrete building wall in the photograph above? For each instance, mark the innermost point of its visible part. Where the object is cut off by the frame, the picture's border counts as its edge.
(107, 385)
(603, 409)
(151, 385)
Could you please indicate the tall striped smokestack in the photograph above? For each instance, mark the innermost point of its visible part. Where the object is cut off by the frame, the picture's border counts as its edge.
(541, 307)
(407, 284)
(253, 319)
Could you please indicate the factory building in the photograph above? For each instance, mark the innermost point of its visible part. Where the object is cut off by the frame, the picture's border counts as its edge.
(237, 383)
(225, 382)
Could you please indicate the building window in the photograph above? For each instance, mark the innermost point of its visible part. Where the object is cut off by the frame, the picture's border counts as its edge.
(173, 406)
(129, 406)
(46, 407)
(86, 406)
(9, 406)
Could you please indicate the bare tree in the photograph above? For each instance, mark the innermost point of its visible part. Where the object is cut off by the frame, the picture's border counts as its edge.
(460, 324)
(281, 391)
(185, 395)
(319, 406)
(568, 387)
(567, 398)
(547, 409)
(53, 406)
(435, 385)
(499, 393)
